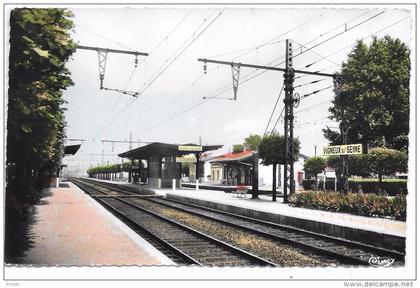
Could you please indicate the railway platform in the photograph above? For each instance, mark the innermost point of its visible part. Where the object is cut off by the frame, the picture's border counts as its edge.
(381, 232)
(73, 229)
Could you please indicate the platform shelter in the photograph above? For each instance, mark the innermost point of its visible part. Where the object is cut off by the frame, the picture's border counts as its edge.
(163, 161)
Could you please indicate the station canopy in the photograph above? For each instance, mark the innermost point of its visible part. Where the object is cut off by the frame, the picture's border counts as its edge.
(165, 150)
(71, 149)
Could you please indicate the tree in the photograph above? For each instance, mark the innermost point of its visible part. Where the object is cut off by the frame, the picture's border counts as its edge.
(271, 151)
(252, 142)
(359, 165)
(314, 165)
(237, 148)
(373, 100)
(384, 161)
(380, 161)
(40, 45)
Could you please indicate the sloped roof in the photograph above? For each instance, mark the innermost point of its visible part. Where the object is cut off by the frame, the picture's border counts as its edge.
(228, 157)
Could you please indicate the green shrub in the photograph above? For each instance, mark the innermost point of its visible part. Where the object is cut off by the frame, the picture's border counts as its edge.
(360, 204)
(329, 184)
(314, 165)
(391, 187)
(307, 184)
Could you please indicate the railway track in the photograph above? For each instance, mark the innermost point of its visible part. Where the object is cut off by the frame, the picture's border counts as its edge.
(344, 251)
(185, 245)
(347, 252)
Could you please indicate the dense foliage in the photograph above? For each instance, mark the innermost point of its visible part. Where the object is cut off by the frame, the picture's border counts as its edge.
(237, 148)
(40, 45)
(314, 165)
(252, 141)
(271, 149)
(389, 187)
(360, 204)
(374, 95)
(384, 161)
(378, 161)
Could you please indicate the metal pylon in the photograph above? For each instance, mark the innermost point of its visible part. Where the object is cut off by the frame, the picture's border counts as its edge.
(289, 151)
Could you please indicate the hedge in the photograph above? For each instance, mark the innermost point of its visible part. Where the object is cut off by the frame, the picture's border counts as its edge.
(307, 184)
(360, 204)
(389, 187)
(112, 168)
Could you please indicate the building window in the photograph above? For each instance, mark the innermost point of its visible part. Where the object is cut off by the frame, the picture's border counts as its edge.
(217, 174)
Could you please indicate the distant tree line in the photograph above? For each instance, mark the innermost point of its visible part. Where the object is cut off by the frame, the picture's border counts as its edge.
(112, 168)
(40, 45)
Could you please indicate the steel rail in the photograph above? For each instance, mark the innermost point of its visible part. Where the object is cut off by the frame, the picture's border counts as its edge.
(357, 245)
(399, 256)
(237, 251)
(169, 247)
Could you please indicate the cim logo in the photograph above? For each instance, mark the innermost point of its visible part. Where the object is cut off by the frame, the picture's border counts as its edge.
(380, 261)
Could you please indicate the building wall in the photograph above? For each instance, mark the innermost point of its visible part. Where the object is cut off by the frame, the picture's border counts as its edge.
(265, 174)
(216, 173)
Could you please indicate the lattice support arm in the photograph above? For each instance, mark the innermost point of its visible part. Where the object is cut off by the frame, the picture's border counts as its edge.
(235, 79)
(102, 55)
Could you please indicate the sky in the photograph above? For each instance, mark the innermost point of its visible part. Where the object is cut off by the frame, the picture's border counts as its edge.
(171, 82)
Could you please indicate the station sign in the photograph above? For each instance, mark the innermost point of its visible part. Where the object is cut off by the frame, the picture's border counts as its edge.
(190, 148)
(187, 159)
(350, 149)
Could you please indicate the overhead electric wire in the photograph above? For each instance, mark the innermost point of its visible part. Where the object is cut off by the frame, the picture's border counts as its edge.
(134, 99)
(206, 100)
(278, 119)
(249, 49)
(310, 83)
(150, 53)
(170, 33)
(315, 92)
(177, 54)
(338, 34)
(370, 35)
(106, 38)
(316, 53)
(246, 49)
(223, 89)
(274, 108)
(311, 107)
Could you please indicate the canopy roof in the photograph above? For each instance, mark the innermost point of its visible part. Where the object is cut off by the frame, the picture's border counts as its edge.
(163, 150)
(71, 149)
